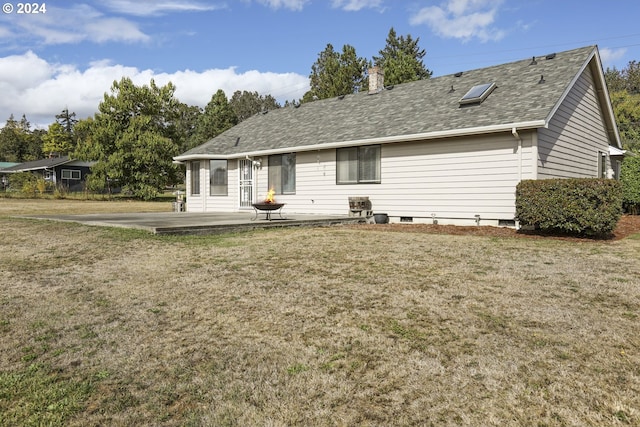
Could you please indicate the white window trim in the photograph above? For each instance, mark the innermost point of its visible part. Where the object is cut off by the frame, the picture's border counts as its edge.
(72, 174)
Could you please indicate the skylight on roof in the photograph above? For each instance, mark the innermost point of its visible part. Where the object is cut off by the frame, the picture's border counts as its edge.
(477, 94)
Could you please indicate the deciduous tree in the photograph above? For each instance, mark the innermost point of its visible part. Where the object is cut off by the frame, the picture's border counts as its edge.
(624, 90)
(626, 107)
(57, 141)
(630, 178)
(130, 139)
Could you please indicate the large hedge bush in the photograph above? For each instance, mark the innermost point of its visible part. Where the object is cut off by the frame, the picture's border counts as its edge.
(584, 206)
(630, 178)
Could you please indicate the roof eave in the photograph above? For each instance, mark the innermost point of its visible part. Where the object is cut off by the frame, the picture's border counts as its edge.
(483, 130)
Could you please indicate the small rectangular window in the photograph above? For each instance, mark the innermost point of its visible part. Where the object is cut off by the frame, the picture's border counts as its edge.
(282, 173)
(195, 178)
(358, 165)
(71, 174)
(218, 178)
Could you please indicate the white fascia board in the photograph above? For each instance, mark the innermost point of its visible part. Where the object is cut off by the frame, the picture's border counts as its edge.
(373, 141)
(606, 99)
(43, 167)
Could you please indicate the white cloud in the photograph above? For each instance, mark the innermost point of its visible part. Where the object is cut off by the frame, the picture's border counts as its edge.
(40, 90)
(5, 33)
(20, 72)
(610, 57)
(462, 19)
(154, 8)
(114, 29)
(73, 25)
(287, 4)
(356, 5)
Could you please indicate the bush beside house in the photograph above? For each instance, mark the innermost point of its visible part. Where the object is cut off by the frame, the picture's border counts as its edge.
(30, 184)
(584, 206)
(630, 178)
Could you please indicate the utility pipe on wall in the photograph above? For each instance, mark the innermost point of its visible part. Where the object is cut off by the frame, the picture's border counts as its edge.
(515, 134)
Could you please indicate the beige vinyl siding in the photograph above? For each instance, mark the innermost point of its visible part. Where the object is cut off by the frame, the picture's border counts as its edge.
(195, 202)
(569, 147)
(457, 177)
(316, 189)
(228, 203)
(451, 178)
(207, 203)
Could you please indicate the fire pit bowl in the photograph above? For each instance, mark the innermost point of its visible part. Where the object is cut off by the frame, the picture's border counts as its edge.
(267, 208)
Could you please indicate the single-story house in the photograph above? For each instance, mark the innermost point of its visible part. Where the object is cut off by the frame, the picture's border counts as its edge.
(451, 148)
(4, 181)
(65, 171)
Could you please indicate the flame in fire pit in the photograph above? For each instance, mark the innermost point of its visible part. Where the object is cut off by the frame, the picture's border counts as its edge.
(270, 196)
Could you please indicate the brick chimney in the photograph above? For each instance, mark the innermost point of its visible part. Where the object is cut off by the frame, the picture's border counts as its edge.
(376, 79)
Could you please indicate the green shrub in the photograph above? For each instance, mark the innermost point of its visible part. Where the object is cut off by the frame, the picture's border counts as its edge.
(584, 206)
(24, 182)
(60, 192)
(43, 186)
(630, 179)
(95, 183)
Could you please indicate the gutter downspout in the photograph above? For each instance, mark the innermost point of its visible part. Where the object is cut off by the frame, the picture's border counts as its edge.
(515, 134)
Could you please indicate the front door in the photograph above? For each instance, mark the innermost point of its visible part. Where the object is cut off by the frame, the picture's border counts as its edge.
(245, 169)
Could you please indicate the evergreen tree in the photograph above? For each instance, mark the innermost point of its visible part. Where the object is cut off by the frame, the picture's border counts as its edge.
(217, 117)
(11, 149)
(401, 59)
(185, 126)
(335, 74)
(67, 120)
(246, 104)
(18, 143)
(627, 79)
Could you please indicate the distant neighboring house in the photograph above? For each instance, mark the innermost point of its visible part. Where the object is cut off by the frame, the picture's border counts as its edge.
(4, 181)
(451, 148)
(65, 171)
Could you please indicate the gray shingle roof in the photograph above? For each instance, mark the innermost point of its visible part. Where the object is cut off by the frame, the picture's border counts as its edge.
(39, 164)
(416, 108)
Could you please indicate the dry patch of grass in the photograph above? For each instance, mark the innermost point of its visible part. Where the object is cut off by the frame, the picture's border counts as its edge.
(9, 206)
(324, 327)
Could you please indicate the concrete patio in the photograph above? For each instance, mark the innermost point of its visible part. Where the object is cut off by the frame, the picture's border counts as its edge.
(200, 223)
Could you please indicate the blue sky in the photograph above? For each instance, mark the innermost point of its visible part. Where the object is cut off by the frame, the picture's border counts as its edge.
(70, 55)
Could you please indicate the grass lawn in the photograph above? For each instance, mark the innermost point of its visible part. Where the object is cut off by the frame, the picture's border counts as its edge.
(312, 327)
